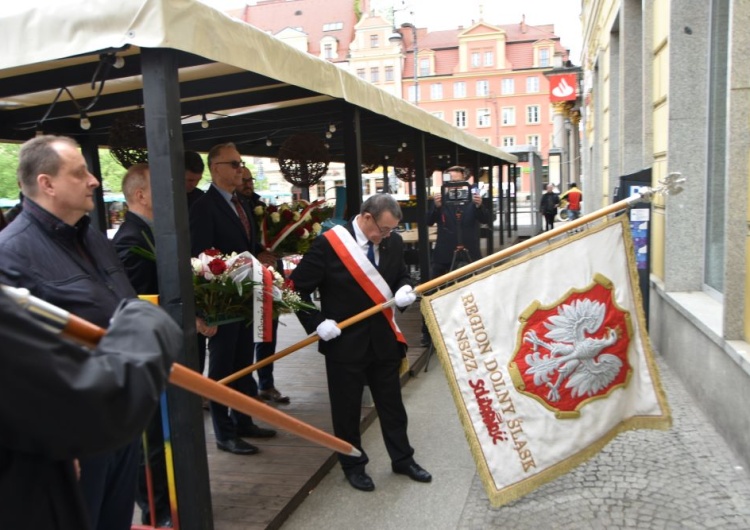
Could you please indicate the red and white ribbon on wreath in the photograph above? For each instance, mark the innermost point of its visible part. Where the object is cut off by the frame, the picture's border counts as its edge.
(262, 302)
(272, 244)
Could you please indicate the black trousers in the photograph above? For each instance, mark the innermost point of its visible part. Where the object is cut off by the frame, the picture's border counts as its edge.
(230, 350)
(346, 383)
(108, 485)
(549, 219)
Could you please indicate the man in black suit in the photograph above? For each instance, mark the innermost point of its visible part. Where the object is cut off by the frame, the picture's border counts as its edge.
(218, 220)
(134, 232)
(354, 268)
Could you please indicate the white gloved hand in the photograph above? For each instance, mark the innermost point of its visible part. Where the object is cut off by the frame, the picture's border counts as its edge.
(405, 296)
(328, 330)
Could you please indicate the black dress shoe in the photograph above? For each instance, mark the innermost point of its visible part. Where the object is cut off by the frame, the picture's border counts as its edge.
(426, 340)
(237, 446)
(361, 481)
(253, 431)
(414, 471)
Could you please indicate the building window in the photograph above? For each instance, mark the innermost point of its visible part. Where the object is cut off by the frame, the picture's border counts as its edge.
(333, 26)
(489, 58)
(389, 73)
(328, 51)
(533, 139)
(460, 119)
(374, 74)
(321, 189)
(476, 59)
(436, 91)
(532, 85)
(459, 89)
(374, 41)
(509, 141)
(532, 114)
(483, 88)
(483, 118)
(412, 93)
(509, 116)
(424, 67)
(438, 114)
(507, 86)
(543, 56)
(361, 73)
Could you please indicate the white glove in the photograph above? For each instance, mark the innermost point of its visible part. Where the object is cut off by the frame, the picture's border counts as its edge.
(405, 296)
(328, 330)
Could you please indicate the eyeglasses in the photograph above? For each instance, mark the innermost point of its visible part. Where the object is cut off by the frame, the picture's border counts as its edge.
(236, 164)
(383, 231)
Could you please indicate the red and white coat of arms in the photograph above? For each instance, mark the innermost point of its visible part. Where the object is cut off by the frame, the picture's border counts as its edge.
(574, 350)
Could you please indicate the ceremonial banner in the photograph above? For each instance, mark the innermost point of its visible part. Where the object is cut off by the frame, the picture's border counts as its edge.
(548, 358)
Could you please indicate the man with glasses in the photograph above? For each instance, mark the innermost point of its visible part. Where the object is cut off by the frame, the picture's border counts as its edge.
(218, 220)
(355, 267)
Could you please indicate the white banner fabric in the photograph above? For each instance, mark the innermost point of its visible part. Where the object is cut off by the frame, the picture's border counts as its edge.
(548, 358)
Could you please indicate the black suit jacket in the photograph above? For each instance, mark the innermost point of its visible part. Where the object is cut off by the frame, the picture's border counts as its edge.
(215, 224)
(342, 297)
(448, 230)
(141, 271)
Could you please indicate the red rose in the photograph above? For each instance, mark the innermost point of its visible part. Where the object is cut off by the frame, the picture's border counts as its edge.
(212, 252)
(287, 215)
(217, 266)
(272, 209)
(300, 232)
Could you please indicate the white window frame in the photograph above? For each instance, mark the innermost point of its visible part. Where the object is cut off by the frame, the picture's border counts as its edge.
(532, 84)
(508, 116)
(508, 86)
(534, 139)
(533, 114)
(484, 118)
(476, 59)
(488, 58)
(483, 88)
(460, 118)
(436, 91)
(508, 141)
(459, 89)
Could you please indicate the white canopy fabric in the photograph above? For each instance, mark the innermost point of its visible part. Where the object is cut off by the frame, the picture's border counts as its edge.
(39, 31)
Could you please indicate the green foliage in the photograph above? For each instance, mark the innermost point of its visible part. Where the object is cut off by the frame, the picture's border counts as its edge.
(8, 165)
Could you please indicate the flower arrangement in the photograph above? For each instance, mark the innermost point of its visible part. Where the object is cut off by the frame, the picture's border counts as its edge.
(291, 228)
(228, 288)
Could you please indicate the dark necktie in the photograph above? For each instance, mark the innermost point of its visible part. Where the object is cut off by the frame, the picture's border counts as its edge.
(371, 253)
(242, 215)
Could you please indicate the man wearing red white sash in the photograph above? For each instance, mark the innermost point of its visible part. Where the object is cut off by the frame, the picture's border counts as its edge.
(354, 268)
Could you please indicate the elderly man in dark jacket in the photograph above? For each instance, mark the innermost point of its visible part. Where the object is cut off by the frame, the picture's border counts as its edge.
(51, 250)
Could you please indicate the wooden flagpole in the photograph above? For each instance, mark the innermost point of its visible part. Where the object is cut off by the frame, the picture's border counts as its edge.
(84, 332)
(669, 186)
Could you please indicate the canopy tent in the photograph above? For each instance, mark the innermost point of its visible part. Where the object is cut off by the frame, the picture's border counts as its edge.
(63, 64)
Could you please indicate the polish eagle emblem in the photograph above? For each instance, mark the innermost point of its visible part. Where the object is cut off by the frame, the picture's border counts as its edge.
(574, 350)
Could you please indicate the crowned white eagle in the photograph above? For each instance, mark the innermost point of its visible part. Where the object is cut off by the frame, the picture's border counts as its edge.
(574, 354)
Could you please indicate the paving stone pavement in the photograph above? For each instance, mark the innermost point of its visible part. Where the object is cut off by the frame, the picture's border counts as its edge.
(684, 478)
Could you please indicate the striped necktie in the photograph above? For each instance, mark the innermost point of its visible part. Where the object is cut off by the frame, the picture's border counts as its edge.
(242, 215)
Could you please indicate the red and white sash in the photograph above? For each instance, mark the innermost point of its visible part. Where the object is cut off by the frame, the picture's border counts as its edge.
(364, 272)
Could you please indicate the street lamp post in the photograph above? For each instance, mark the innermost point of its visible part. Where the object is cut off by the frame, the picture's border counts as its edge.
(397, 37)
